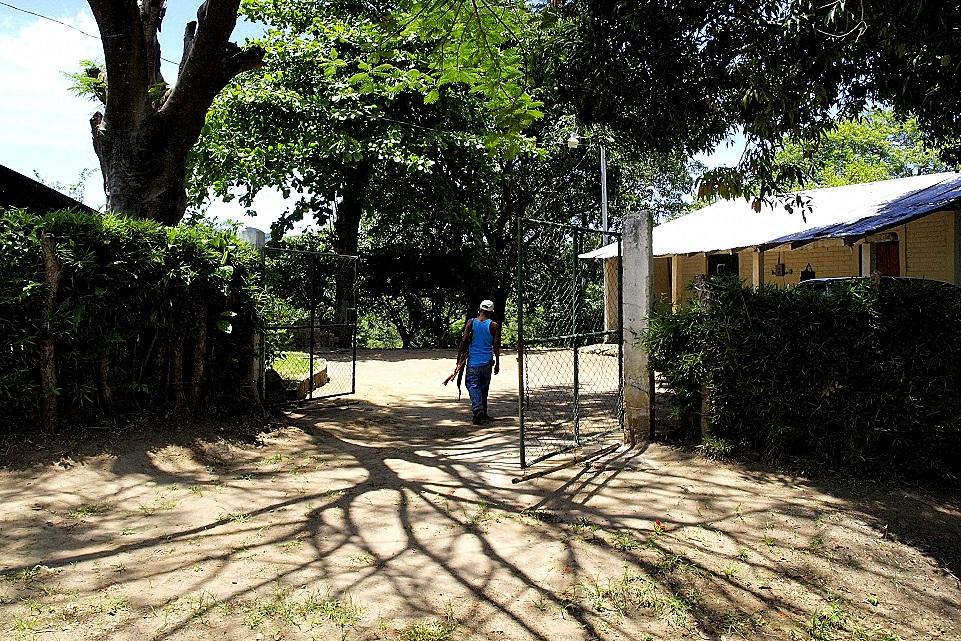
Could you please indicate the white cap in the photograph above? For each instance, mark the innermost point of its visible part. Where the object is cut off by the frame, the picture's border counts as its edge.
(487, 305)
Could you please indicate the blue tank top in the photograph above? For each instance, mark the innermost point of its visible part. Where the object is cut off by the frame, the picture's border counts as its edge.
(481, 345)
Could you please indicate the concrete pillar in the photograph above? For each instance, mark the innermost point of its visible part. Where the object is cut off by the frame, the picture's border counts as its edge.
(638, 293)
(757, 271)
(611, 297)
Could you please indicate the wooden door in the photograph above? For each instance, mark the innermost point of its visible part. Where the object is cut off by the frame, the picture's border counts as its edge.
(888, 258)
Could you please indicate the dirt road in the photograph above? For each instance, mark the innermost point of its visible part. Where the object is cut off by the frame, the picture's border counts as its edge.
(390, 517)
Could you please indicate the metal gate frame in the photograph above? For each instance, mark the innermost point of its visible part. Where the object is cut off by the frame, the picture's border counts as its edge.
(315, 327)
(575, 336)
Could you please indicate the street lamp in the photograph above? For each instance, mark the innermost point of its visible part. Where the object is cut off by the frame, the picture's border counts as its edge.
(573, 142)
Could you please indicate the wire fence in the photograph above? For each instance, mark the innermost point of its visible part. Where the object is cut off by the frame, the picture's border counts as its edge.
(569, 325)
(311, 340)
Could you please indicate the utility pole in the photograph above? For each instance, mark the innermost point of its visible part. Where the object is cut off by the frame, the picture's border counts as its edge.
(604, 193)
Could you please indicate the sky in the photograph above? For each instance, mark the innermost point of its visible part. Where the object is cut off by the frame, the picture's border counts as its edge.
(44, 128)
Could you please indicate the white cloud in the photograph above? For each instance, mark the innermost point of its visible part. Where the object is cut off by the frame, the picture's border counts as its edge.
(269, 205)
(43, 126)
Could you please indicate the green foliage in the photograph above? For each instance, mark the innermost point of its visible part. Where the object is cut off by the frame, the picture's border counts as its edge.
(681, 76)
(90, 82)
(877, 146)
(351, 101)
(133, 297)
(868, 377)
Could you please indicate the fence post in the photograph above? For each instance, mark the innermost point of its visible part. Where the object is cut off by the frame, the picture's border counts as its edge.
(637, 304)
(702, 291)
(48, 355)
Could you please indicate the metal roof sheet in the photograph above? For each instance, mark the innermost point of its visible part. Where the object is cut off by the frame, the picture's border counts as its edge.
(889, 214)
(832, 212)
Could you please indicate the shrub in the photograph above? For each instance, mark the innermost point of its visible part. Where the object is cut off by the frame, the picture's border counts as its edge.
(144, 316)
(865, 377)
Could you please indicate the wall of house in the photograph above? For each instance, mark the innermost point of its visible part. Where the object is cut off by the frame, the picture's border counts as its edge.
(829, 259)
(929, 247)
(662, 280)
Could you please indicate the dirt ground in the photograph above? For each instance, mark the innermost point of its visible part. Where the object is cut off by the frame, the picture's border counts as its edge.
(388, 516)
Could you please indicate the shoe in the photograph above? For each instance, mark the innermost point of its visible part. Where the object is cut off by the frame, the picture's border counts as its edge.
(479, 418)
(488, 418)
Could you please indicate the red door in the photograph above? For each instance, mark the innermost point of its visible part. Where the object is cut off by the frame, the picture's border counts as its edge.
(888, 258)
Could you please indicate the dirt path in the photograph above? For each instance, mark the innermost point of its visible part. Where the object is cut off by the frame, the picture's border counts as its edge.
(392, 518)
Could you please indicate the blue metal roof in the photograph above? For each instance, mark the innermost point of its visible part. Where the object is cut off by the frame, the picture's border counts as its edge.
(890, 214)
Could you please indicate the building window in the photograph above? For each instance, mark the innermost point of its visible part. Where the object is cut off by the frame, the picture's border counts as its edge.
(722, 265)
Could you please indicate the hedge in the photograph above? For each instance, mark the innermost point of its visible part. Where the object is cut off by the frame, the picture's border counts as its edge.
(866, 377)
(101, 316)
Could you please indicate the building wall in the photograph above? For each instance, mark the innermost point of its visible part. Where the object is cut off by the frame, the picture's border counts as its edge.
(829, 259)
(688, 267)
(929, 247)
(662, 280)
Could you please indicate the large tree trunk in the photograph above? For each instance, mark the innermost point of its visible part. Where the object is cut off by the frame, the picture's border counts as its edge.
(144, 171)
(146, 130)
(347, 242)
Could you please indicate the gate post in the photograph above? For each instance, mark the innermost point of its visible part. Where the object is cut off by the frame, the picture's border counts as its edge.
(637, 303)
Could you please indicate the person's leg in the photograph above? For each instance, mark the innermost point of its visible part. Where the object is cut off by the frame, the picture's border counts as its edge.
(472, 383)
(484, 382)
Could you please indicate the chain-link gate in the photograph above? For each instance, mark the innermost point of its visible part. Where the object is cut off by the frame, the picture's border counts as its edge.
(569, 339)
(310, 345)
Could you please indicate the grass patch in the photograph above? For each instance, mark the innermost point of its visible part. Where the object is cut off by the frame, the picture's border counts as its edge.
(311, 609)
(624, 541)
(270, 460)
(85, 511)
(159, 505)
(294, 366)
(428, 630)
(236, 517)
(739, 623)
(582, 525)
(668, 563)
(541, 516)
(824, 624)
(476, 521)
(364, 558)
(631, 592)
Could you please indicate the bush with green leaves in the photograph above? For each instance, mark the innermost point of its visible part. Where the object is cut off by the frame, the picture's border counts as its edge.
(864, 377)
(144, 316)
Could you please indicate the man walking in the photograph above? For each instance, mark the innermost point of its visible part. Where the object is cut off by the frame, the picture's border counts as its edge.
(480, 351)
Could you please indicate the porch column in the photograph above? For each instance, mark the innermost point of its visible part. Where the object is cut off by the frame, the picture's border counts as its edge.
(612, 299)
(757, 272)
(677, 282)
(637, 304)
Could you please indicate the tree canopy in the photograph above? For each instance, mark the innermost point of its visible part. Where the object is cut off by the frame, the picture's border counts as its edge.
(877, 146)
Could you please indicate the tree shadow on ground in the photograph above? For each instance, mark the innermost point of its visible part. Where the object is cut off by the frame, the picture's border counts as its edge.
(636, 541)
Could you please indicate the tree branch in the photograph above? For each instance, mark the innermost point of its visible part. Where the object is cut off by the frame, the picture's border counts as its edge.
(152, 13)
(125, 53)
(210, 61)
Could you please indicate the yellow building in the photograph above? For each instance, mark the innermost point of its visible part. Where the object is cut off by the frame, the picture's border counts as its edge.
(902, 227)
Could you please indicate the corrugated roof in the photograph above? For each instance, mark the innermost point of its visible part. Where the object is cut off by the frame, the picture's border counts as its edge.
(833, 212)
(890, 214)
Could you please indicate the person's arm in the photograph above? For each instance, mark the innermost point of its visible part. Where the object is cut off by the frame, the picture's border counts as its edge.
(496, 331)
(462, 349)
